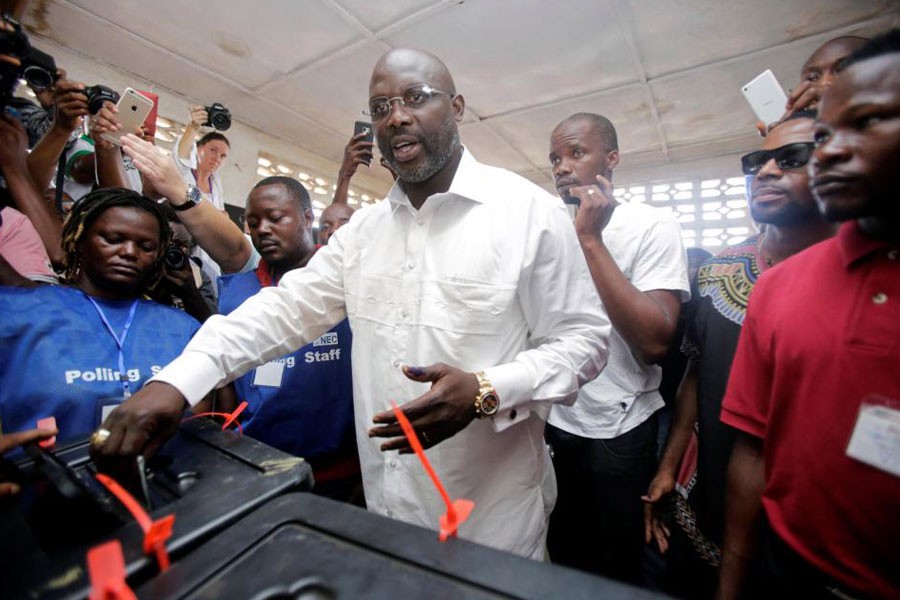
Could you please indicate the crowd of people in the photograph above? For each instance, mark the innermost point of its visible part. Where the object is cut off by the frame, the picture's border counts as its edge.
(533, 352)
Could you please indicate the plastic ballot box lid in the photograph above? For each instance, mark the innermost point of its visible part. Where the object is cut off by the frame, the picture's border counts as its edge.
(206, 477)
(301, 546)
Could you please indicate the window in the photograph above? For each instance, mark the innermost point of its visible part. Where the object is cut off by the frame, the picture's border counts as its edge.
(713, 213)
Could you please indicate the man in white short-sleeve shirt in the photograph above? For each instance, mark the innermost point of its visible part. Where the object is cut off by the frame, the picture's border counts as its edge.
(604, 446)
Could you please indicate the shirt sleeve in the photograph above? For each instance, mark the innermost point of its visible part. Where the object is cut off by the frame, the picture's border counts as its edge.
(305, 304)
(569, 327)
(662, 261)
(749, 392)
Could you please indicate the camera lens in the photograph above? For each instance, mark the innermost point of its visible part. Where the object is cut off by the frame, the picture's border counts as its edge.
(175, 258)
(38, 79)
(219, 116)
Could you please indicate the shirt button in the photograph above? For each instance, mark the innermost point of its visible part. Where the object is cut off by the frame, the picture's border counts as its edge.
(404, 315)
(390, 513)
(395, 362)
(393, 464)
(410, 265)
(880, 298)
(894, 254)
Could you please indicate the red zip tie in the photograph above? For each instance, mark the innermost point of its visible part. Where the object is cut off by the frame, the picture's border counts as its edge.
(155, 532)
(106, 567)
(219, 414)
(47, 423)
(234, 415)
(458, 510)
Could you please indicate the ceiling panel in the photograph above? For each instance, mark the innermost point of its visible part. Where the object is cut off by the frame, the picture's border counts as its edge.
(628, 109)
(508, 54)
(377, 15)
(218, 35)
(483, 142)
(679, 34)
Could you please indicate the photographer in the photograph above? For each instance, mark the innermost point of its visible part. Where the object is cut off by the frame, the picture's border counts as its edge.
(199, 164)
(199, 161)
(184, 285)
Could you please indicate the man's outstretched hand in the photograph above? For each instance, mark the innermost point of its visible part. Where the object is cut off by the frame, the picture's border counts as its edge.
(140, 425)
(438, 414)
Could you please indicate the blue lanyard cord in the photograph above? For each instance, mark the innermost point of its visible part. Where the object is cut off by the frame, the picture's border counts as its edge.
(120, 342)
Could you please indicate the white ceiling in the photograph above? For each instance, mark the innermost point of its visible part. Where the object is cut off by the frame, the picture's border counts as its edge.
(666, 72)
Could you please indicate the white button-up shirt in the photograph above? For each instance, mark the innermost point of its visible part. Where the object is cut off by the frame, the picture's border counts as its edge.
(487, 276)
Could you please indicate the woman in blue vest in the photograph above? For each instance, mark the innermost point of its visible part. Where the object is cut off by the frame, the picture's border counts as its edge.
(77, 350)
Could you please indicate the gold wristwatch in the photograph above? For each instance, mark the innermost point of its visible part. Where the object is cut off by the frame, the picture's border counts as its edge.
(487, 403)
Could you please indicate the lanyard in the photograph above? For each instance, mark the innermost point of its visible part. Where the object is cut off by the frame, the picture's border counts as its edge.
(120, 342)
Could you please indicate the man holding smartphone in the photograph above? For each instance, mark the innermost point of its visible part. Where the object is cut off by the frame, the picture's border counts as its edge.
(465, 327)
(604, 446)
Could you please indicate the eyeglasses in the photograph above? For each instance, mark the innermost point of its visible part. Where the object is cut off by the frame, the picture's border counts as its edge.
(791, 156)
(414, 97)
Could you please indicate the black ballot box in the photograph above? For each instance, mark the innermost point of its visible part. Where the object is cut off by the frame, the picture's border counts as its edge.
(301, 546)
(207, 478)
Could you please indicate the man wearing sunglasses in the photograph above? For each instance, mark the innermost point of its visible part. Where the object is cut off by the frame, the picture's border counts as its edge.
(814, 389)
(781, 200)
(452, 288)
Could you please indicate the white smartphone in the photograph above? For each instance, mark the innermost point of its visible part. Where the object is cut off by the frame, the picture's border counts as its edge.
(133, 110)
(766, 97)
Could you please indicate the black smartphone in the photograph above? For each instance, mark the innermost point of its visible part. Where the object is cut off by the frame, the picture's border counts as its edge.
(364, 127)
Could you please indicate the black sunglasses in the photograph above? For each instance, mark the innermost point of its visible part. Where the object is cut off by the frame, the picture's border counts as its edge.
(791, 156)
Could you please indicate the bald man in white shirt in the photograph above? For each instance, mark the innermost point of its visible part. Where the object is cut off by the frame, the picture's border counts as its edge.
(470, 302)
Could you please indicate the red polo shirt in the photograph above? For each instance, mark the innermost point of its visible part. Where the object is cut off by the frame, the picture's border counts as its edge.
(822, 333)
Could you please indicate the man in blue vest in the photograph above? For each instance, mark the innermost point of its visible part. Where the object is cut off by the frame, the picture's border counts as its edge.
(301, 402)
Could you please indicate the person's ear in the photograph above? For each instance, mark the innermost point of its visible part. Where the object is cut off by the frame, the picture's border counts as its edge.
(459, 107)
(612, 159)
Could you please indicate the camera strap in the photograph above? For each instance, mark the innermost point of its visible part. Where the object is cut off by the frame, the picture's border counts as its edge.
(60, 181)
(120, 342)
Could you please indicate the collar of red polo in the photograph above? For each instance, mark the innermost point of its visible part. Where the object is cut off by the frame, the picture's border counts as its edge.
(855, 245)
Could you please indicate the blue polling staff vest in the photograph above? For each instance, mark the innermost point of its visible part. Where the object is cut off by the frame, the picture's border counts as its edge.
(58, 359)
(302, 402)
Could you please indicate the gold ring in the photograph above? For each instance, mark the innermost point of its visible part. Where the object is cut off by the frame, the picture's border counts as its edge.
(100, 436)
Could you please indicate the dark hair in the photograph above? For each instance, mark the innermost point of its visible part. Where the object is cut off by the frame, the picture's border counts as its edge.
(89, 208)
(886, 43)
(166, 209)
(296, 189)
(601, 126)
(211, 137)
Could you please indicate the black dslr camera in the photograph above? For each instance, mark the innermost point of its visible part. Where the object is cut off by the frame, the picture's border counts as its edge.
(97, 95)
(175, 258)
(219, 116)
(36, 67)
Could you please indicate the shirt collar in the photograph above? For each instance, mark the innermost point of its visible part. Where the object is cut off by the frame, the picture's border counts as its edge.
(264, 274)
(854, 244)
(465, 183)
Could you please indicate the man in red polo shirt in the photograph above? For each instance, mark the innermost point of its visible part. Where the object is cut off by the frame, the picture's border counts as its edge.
(815, 384)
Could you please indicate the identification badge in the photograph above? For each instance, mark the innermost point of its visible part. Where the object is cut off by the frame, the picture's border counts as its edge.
(876, 437)
(269, 374)
(106, 406)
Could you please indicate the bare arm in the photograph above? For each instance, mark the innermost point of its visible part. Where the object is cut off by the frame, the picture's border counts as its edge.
(186, 143)
(214, 232)
(358, 152)
(746, 480)
(25, 195)
(679, 438)
(646, 320)
(71, 106)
